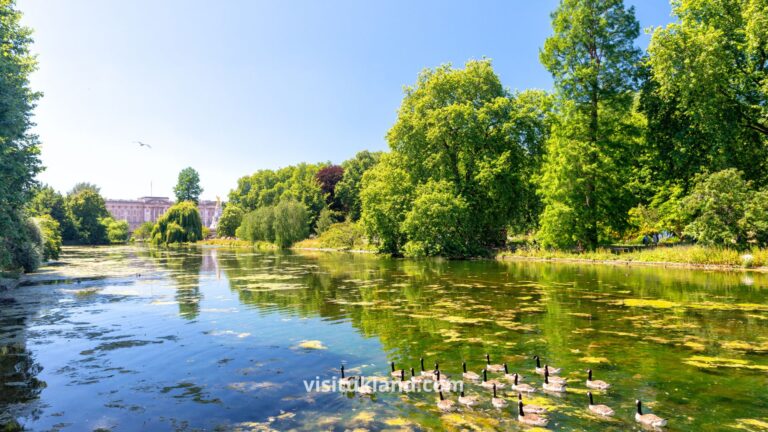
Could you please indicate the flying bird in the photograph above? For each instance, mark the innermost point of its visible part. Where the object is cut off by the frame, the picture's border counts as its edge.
(141, 144)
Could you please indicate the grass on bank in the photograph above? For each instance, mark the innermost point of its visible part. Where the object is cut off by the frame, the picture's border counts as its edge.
(343, 236)
(237, 243)
(689, 254)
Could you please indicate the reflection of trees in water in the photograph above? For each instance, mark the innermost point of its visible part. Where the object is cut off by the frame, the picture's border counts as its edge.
(415, 306)
(18, 369)
(183, 266)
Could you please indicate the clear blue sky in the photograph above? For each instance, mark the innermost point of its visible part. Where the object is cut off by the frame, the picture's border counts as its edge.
(232, 87)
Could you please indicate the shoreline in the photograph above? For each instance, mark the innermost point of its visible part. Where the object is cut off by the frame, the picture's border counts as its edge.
(619, 262)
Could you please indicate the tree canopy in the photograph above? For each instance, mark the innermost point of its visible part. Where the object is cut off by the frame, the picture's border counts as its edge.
(188, 186)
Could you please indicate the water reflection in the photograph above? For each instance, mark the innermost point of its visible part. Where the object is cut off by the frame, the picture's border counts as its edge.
(214, 336)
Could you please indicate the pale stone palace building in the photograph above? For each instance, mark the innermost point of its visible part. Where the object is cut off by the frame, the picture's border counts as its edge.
(149, 209)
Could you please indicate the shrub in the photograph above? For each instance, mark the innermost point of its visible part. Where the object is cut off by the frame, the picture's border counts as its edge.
(258, 225)
(291, 223)
(51, 236)
(436, 223)
(143, 232)
(344, 236)
(327, 218)
(180, 224)
(118, 231)
(230, 221)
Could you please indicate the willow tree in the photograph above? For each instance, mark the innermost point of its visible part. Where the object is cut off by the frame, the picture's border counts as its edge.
(593, 60)
(180, 224)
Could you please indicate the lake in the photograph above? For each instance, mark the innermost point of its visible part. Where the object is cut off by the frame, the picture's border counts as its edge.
(130, 338)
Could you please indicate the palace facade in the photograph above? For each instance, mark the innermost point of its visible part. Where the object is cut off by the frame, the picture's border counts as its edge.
(149, 209)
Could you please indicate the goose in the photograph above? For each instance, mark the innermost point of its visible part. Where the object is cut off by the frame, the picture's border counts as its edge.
(535, 409)
(444, 404)
(554, 379)
(441, 380)
(437, 368)
(472, 376)
(417, 379)
(425, 373)
(648, 419)
(551, 386)
(540, 370)
(497, 401)
(469, 401)
(529, 419)
(394, 373)
(492, 383)
(346, 381)
(363, 389)
(603, 410)
(523, 388)
(405, 385)
(492, 367)
(507, 375)
(595, 384)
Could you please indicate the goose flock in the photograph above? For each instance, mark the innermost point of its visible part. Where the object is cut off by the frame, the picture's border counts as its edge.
(527, 414)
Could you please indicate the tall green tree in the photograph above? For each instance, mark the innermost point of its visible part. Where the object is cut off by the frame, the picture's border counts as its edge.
(88, 209)
(230, 220)
(291, 223)
(348, 189)
(593, 60)
(461, 126)
(19, 160)
(188, 186)
(708, 92)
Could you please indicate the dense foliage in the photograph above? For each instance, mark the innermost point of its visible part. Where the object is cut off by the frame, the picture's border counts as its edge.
(188, 186)
(50, 232)
(180, 224)
(283, 224)
(88, 211)
(118, 231)
(230, 220)
(593, 59)
(348, 189)
(19, 162)
(460, 131)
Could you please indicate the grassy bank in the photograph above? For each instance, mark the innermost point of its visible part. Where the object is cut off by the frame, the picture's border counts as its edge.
(684, 255)
(237, 243)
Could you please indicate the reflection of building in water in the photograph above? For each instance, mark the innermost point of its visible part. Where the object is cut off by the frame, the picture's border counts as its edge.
(149, 209)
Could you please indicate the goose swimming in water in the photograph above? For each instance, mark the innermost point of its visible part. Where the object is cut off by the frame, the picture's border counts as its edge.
(648, 419)
(492, 367)
(469, 401)
(405, 385)
(426, 373)
(472, 376)
(497, 401)
(529, 419)
(603, 410)
(440, 380)
(490, 383)
(595, 384)
(394, 373)
(535, 409)
(523, 388)
(437, 368)
(540, 370)
(507, 375)
(417, 379)
(444, 404)
(345, 380)
(552, 386)
(363, 389)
